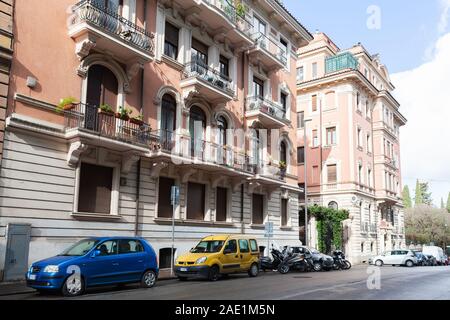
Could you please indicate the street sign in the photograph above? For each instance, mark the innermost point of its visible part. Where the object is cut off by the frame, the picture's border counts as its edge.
(175, 195)
(268, 232)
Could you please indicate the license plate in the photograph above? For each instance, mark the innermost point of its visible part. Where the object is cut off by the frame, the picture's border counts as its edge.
(32, 277)
(183, 269)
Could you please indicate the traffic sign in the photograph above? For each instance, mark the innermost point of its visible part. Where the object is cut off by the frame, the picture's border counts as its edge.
(175, 195)
(268, 230)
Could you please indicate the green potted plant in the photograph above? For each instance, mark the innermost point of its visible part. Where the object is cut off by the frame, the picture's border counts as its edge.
(241, 10)
(124, 113)
(138, 120)
(106, 109)
(66, 104)
(283, 167)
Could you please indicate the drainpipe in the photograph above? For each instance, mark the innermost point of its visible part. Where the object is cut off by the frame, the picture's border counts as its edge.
(243, 124)
(138, 187)
(143, 70)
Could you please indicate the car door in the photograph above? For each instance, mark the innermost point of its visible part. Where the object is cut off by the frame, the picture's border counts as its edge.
(388, 258)
(131, 260)
(397, 257)
(230, 260)
(102, 268)
(244, 254)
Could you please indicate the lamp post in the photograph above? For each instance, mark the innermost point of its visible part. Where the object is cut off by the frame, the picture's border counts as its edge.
(305, 164)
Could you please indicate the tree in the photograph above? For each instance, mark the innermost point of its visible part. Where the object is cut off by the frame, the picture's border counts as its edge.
(418, 198)
(448, 203)
(407, 197)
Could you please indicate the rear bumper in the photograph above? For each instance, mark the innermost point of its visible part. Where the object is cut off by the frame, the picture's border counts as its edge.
(199, 272)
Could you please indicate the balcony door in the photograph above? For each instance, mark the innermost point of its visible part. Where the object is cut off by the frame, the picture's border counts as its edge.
(222, 127)
(257, 151)
(102, 89)
(199, 57)
(258, 88)
(261, 28)
(197, 129)
(168, 121)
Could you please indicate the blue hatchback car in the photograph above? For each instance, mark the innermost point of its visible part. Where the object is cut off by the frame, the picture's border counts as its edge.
(96, 262)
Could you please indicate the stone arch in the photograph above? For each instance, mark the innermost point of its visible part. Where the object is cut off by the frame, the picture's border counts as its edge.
(168, 90)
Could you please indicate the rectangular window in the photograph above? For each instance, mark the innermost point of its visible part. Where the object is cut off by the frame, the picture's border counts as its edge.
(331, 136)
(358, 101)
(359, 136)
(314, 103)
(130, 246)
(314, 70)
(360, 173)
(171, 41)
(257, 209)
(369, 178)
(165, 209)
(284, 101)
(258, 87)
(254, 245)
(369, 144)
(315, 138)
(301, 155)
(284, 212)
(95, 189)
(224, 64)
(300, 74)
(332, 173)
(301, 119)
(243, 246)
(221, 204)
(284, 48)
(196, 201)
(199, 53)
(315, 175)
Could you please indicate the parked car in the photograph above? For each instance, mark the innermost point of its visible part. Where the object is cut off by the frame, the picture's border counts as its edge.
(321, 261)
(436, 252)
(432, 262)
(96, 262)
(422, 259)
(395, 257)
(219, 255)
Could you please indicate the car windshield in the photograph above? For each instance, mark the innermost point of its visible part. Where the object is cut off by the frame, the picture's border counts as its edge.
(208, 246)
(80, 248)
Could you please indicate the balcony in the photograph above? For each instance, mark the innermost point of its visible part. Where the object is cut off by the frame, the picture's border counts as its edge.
(341, 62)
(267, 52)
(207, 82)
(90, 122)
(270, 114)
(92, 26)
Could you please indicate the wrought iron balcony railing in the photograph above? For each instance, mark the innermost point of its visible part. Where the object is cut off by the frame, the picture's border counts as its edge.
(213, 77)
(341, 62)
(238, 18)
(94, 12)
(266, 106)
(92, 119)
(271, 47)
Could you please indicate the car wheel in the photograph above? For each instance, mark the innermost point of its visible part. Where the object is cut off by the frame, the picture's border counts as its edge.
(317, 266)
(148, 279)
(283, 269)
(73, 286)
(253, 272)
(379, 263)
(213, 273)
(409, 264)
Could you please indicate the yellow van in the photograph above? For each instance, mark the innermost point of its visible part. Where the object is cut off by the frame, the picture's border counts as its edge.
(219, 255)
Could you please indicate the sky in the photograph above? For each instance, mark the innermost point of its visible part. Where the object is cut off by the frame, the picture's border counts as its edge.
(413, 39)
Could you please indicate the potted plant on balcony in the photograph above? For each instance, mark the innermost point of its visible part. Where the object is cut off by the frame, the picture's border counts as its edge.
(138, 120)
(106, 109)
(124, 113)
(283, 168)
(66, 104)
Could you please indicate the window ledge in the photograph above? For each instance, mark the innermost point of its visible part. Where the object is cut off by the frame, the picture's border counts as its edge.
(257, 226)
(95, 216)
(172, 62)
(180, 222)
(286, 228)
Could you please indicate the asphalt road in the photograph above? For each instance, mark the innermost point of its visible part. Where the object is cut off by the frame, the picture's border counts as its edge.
(418, 283)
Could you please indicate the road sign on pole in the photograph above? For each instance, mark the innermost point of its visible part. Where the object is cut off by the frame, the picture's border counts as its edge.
(175, 200)
(268, 232)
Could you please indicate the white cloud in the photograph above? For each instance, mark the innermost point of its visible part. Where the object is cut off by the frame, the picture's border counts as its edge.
(443, 21)
(424, 93)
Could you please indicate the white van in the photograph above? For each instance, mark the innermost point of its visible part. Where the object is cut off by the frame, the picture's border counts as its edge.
(436, 252)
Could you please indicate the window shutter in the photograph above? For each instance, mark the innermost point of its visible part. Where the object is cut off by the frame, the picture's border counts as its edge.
(257, 209)
(165, 208)
(221, 204)
(196, 201)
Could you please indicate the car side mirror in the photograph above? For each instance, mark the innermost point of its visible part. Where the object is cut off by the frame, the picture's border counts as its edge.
(95, 253)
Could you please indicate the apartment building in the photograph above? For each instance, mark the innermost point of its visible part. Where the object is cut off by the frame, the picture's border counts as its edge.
(157, 93)
(352, 125)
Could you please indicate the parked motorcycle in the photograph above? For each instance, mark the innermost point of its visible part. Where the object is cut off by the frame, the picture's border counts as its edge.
(295, 261)
(267, 263)
(340, 263)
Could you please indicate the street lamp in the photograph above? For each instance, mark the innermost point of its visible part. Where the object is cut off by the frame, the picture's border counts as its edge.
(305, 188)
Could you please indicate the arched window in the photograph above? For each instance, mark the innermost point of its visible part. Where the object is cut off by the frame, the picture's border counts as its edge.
(333, 205)
(168, 121)
(197, 128)
(222, 126)
(283, 152)
(102, 87)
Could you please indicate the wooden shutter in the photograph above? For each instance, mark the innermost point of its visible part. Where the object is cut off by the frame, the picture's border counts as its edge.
(314, 103)
(258, 209)
(171, 34)
(284, 212)
(196, 201)
(95, 189)
(165, 209)
(221, 204)
(332, 174)
(102, 86)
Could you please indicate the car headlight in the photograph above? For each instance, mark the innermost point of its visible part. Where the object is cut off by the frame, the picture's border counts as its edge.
(51, 269)
(201, 260)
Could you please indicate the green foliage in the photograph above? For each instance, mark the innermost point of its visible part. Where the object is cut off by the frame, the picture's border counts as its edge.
(124, 113)
(282, 165)
(418, 200)
(407, 197)
(329, 227)
(423, 196)
(64, 102)
(139, 117)
(106, 108)
(426, 224)
(448, 203)
(241, 10)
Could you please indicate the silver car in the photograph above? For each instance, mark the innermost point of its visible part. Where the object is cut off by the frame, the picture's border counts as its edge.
(395, 257)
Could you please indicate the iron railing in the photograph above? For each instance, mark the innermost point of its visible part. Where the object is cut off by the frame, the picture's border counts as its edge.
(341, 62)
(95, 12)
(90, 118)
(266, 106)
(271, 47)
(238, 18)
(200, 70)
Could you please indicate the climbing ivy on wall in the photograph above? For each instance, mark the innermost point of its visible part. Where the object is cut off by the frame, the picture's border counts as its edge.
(329, 227)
